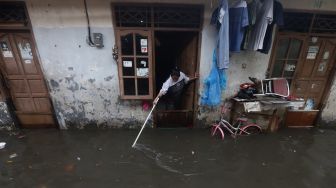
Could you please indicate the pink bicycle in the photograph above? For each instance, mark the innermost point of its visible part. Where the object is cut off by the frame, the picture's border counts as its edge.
(240, 127)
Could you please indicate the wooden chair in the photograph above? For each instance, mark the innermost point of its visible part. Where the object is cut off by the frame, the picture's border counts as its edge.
(275, 86)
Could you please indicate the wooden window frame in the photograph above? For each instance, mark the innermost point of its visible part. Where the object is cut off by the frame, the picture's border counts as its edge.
(273, 59)
(118, 33)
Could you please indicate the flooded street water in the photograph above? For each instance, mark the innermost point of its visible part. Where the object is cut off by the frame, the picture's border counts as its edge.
(168, 158)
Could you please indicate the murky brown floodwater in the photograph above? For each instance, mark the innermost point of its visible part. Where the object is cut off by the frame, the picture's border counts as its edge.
(168, 158)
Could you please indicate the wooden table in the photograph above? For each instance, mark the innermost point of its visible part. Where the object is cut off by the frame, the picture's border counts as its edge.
(270, 108)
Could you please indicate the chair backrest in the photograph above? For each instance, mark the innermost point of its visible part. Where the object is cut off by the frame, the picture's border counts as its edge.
(281, 87)
(276, 86)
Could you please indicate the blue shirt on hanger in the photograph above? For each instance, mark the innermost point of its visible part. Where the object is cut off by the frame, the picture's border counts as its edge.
(223, 36)
(238, 19)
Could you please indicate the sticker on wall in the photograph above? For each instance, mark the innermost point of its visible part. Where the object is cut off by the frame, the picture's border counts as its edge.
(143, 63)
(311, 55)
(5, 49)
(312, 52)
(321, 66)
(143, 72)
(313, 49)
(326, 55)
(27, 61)
(25, 50)
(290, 68)
(314, 39)
(4, 46)
(143, 44)
(143, 49)
(127, 64)
(7, 54)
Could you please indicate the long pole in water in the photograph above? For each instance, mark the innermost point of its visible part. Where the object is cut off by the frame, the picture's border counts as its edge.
(143, 126)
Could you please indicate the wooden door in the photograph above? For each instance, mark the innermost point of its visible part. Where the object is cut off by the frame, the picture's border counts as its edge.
(313, 75)
(135, 64)
(24, 81)
(286, 58)
(187, 62)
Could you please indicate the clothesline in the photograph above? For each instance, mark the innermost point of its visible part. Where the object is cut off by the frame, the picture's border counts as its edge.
(245, 26)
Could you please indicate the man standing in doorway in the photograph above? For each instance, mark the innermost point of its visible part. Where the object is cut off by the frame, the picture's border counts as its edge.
(173, 88)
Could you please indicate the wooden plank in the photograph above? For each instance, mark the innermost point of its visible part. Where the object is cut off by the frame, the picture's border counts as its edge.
(301, 118)
(36, 120)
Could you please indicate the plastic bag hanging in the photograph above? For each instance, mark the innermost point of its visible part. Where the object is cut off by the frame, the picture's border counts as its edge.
(214, 84)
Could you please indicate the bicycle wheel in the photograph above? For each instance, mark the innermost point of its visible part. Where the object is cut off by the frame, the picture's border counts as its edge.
(216, 130)
(251, 129)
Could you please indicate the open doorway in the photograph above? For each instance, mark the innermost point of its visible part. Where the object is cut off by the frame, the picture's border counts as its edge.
(176, 48)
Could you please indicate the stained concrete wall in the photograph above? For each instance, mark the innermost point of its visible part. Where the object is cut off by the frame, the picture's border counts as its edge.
(83, 81)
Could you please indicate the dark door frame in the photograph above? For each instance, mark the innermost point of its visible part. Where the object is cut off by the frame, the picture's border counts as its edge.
(197, 83)
(152, 29)
(25, 27)
(307, 36)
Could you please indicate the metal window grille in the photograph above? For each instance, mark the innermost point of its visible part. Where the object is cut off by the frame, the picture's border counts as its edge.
(179, 17)
(10, 12)
(132, 16)
(173, 16)
(302, 22)
(324, 24)
(297, 22)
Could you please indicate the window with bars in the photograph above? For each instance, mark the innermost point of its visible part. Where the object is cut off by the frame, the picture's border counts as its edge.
(297, 22)
(158, 16)
(324, 24)
(309, 22)
(177, 16)
(12, 13)
(132, 16)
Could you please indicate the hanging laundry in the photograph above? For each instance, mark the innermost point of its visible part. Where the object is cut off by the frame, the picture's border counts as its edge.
(252, 16)
(278, 19)
(238, 19)
(214, 18)
(264, 12)
(252, 12)
(221, 17)
(214, 84)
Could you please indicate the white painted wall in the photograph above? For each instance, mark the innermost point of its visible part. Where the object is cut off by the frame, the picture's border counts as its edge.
(83, 80)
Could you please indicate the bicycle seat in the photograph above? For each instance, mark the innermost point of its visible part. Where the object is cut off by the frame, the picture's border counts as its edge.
(242, 119)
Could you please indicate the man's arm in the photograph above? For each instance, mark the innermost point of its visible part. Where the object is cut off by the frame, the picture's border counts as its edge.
(163, 91)
(195, 78)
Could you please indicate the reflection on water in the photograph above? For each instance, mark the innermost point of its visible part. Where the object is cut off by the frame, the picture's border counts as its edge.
(164, 161)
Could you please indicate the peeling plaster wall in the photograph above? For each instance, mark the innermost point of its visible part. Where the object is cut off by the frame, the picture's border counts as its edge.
(83, 81)
(328, 115)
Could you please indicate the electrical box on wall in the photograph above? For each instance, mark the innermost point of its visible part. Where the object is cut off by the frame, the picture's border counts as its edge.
(98, 40)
